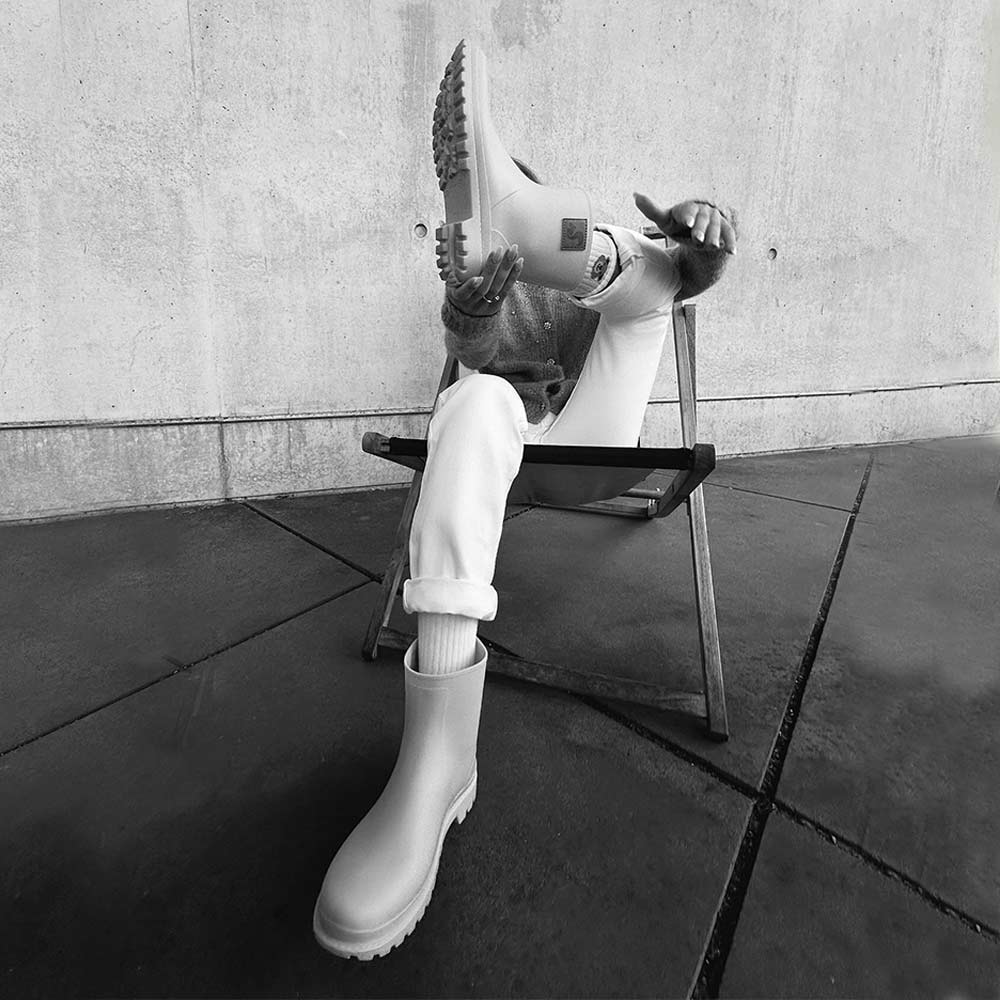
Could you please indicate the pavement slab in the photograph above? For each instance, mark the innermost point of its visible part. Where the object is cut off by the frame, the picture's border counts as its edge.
(616, 595)
(94, 607)
(174, 842)
(897, 745)
(820, 922)
(981, 447)
(360, 527)
(830, 476)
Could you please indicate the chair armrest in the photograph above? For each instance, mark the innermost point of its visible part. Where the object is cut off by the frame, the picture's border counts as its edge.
(397, 448)
(687, 480)
(381, 446)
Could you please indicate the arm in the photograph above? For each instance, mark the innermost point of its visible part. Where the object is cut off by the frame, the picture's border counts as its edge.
(705, 236)
(699, 269)
(472, 331)
(472, 339)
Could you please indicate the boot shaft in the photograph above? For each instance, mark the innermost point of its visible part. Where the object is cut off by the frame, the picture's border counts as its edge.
(441, 721)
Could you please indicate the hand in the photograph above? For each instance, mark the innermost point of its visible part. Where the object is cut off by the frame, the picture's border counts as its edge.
(697, 223)
(483, 294)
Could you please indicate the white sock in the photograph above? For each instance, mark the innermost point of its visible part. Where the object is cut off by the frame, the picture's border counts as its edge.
(445, 643)
(601, 266)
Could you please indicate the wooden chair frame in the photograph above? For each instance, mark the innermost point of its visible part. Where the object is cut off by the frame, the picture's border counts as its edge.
(693, 463)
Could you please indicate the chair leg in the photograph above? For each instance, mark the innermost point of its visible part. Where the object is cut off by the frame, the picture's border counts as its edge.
(708, 624)
(704, 589)
(393, 574)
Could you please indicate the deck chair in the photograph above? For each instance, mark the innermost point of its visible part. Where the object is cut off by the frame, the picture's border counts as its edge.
(598, 480)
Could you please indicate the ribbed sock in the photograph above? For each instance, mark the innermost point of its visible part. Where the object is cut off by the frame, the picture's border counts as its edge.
(602, 267)
(445, 643)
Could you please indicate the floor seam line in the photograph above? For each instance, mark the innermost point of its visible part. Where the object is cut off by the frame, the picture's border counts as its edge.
(520, 513)
(778, 496)
(677, 750)
(708, 979)
(887, 870)
(357, 567)
(783, 739)
(179, 668)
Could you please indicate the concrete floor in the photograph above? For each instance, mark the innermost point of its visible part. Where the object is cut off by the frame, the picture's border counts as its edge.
(188, 733)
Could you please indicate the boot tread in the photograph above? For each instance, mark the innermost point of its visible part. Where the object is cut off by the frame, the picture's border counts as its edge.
(449, 136)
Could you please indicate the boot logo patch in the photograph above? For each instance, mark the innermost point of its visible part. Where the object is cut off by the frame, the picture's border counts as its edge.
(600, 266)
(574, 234)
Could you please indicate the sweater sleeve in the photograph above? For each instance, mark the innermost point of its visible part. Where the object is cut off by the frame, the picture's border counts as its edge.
(474, 340)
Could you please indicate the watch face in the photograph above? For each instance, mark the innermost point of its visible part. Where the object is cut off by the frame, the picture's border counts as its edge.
(600, 266)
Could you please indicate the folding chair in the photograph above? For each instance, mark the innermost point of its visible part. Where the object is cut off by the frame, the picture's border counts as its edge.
(599, 480)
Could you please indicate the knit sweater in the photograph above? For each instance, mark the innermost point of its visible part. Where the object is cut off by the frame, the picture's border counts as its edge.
(538, 341)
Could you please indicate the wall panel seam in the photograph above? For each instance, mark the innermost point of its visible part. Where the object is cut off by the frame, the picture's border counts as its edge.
(101, 424)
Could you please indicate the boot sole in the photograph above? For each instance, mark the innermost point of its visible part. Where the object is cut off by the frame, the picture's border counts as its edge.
(385, 938)
(460, 250)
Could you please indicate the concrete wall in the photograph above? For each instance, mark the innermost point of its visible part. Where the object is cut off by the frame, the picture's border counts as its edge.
(212, 273)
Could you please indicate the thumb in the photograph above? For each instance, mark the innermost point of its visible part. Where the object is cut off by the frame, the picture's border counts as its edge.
(649, 208)
(663, 217)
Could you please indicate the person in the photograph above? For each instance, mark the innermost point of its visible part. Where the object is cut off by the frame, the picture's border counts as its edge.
(562, 322)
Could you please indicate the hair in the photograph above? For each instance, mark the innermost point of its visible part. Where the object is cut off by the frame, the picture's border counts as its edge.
(526, 170)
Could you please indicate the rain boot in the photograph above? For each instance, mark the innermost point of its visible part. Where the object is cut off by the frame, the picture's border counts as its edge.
(489, 203)
(380, 882)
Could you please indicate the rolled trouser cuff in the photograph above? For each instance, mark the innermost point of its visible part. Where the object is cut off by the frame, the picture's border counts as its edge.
(648, 282)
(436, 596)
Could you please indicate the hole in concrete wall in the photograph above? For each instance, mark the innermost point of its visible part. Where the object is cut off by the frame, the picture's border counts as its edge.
(772, 253)
(420, 230)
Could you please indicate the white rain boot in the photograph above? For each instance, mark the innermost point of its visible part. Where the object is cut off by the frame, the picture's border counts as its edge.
(379, 883)
(489, 203)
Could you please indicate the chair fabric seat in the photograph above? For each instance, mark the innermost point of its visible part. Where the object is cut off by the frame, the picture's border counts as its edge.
(572, 484)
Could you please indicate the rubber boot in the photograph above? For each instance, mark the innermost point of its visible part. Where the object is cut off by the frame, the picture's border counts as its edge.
(378, 885)
(489, 202)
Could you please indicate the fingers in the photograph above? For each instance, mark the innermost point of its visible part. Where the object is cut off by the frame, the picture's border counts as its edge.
(496, 270)
(701, 222)
(713, 229)
(465, 292)
(686, 213)
(512, 276)
(489, 272)
(499, 272)
(728, 236)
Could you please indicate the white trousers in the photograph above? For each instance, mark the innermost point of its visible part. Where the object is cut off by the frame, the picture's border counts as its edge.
(477, 433)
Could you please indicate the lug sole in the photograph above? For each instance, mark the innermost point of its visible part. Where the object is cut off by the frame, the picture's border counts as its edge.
(459, 240)
(387, 938)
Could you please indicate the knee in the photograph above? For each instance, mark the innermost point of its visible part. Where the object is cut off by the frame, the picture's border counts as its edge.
(483, 398)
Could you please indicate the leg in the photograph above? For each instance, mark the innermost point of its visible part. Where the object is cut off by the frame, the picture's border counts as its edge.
(473, 454)
(474, 448)
(609, 400)
(381, 879)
